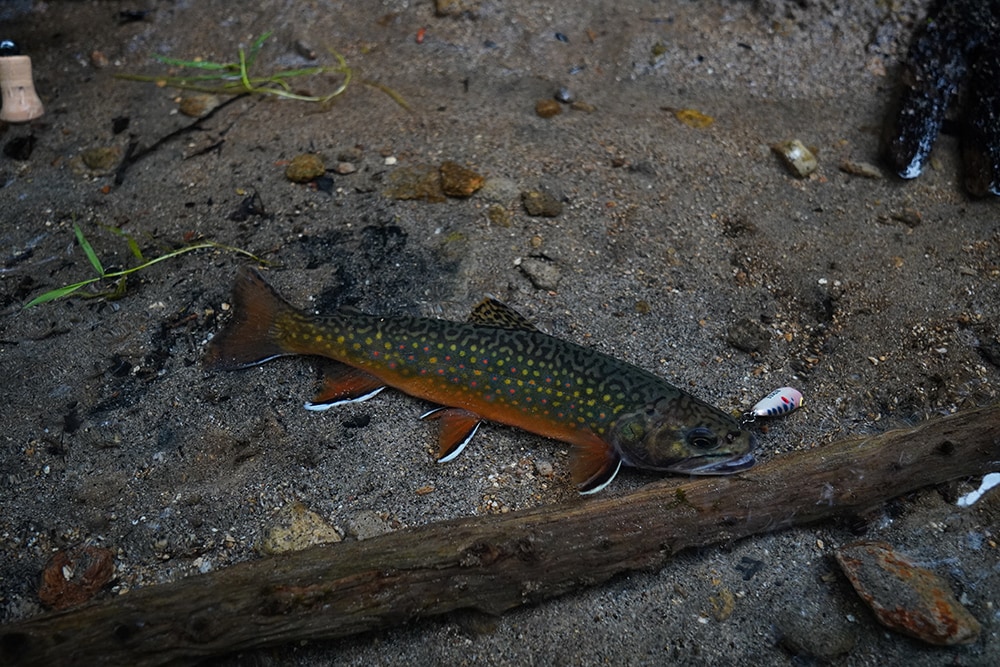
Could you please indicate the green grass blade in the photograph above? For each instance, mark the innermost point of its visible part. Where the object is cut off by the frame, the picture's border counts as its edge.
(58, 293)
(133, 245)
(89, 250)
(256, 46)
(197, 64)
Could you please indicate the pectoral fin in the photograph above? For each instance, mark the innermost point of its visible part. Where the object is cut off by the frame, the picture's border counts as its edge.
(594, 465)
(344, 384)
(457, 428)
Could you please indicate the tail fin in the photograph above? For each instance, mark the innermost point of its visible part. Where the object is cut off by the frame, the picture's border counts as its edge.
(250, 337)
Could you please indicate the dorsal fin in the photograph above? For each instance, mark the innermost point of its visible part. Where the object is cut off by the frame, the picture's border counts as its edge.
(493, 313)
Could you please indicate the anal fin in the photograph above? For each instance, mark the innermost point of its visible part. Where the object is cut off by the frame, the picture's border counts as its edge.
(344, 384)
(457, 428)
(594, 464)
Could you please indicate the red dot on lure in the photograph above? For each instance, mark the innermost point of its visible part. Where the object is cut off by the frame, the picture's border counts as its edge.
(778, 402)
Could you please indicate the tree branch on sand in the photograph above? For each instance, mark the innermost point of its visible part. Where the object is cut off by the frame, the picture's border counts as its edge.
(496, 563)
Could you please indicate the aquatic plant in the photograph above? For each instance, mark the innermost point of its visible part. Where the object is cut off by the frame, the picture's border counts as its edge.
(235, 78)
(121, 275)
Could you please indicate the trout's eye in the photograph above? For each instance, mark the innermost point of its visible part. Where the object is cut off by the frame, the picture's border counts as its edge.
(702, 438)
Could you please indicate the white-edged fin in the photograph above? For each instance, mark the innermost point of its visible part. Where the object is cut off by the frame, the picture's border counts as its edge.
(598, 484)
(457, 428)
(458, 449)
(319, 407)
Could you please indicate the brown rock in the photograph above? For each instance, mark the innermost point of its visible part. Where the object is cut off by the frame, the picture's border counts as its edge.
(547, 108)
(101, 158)
(296, 527)
(905, 597)
(304, 168)
(74, 576)
(197, 105)
(416, 182)
(458, 181)
(541, 203)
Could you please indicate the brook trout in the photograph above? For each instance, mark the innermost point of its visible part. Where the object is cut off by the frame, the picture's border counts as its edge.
(496, 366)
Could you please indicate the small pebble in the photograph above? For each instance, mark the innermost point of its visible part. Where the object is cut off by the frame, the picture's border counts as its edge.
(451, 8)
(304, 168)
(352, 154)
(296, 527)
(367, 524)
(459, 181)
(498, 215)
(799, 160)
(98, 60)
(910, 217)
(565, 95)
(541, 203)
(101, 158)
(906, 597)
(547, 108)
(863, 169)
(197, 105)
(544, 274)
(344, 168)
(545, 468)
(748, 336)
(693, 118)
(583, 106)
(305, 49)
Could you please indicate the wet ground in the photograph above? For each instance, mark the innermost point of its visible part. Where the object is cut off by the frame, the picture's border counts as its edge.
(690, 251)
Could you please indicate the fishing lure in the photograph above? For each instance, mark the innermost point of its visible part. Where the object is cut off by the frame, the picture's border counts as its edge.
(781, 401)
(499, 367)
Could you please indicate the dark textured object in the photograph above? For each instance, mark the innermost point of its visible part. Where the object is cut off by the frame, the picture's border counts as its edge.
(20, 148)
(959, 43)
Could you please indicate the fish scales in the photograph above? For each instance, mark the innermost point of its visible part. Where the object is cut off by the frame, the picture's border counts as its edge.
(502, 370)
(612, 411)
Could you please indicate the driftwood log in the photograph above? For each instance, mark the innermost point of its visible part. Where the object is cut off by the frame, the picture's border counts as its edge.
(496, 563)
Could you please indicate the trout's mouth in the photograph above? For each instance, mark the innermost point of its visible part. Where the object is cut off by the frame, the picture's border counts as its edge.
(719, 464)
(699, 466)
